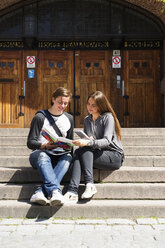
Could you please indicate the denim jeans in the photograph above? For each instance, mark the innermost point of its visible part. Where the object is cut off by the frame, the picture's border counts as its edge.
(51, 169)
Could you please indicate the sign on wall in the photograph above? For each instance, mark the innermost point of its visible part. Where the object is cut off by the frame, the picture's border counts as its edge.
(116, 52)
(30, 61)
(116, 62)
(30, 73)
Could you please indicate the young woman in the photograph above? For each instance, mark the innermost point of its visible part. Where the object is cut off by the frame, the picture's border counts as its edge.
(102, 151)
(51, 161)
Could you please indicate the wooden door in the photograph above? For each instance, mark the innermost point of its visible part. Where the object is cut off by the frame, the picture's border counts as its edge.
(141, 98)
(56, 70)
(52, 70)
(10, 89)
(91, 74)
(82, 71)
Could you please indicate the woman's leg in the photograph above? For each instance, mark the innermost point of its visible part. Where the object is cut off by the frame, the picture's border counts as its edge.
(107, 160)
(83, 161)
(86, 161)
(75, 177)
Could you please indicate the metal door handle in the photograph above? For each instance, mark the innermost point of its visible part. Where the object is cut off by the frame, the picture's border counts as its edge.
(24, 88)
(123, 88)
(77, 110)
(126, 97)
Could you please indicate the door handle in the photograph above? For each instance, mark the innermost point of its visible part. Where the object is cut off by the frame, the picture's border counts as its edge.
(77, 110)
(123, 88)
(126, 97)
(24, 88)
(21, 97)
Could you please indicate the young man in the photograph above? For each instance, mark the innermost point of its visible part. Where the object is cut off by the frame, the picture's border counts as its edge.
(52, 162)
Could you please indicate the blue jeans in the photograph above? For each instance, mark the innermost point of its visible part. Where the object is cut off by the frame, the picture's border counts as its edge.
(51, 168)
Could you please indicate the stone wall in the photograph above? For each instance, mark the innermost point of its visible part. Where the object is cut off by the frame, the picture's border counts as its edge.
(155, 7)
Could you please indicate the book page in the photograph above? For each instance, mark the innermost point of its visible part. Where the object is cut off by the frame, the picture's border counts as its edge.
(81, 134)
(52, 138)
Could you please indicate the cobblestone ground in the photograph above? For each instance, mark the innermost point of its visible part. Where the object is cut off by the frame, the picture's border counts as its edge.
(82, 233)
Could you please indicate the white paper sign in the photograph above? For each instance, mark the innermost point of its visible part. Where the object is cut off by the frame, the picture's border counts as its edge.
(116, 62)
(116, 52)
(30, 60)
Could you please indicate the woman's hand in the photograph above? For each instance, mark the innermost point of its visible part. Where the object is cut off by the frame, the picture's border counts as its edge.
(80, 142)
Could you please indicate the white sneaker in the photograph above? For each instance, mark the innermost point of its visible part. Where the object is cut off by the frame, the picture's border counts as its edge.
(39, 198)
(57, 198)
(71, 197)
(90, 190)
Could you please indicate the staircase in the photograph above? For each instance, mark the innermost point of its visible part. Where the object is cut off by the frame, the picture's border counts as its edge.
(136, 189)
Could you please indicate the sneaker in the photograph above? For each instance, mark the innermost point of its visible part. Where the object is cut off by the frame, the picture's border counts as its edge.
(71, 197)
(90, 190)
(39, 198)
(57, 198)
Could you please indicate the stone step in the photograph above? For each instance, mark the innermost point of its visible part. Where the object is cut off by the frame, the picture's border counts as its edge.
(124, 174)
(91, 209)
(13, 141)
(144, 150)
(128, 150)
(152, 191)
(144, 161)
(14, 132)
(143, 141)
(4, 132)
(126, 141)
(132, 161)
(142, 131)
(14, 151)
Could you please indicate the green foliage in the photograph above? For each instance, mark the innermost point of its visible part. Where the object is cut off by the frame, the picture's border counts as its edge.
(163, 9)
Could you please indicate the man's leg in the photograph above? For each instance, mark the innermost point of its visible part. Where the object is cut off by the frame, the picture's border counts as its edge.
(42, 161)
(62, 166)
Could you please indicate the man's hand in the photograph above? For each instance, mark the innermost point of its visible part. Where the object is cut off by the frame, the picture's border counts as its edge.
(48, 146)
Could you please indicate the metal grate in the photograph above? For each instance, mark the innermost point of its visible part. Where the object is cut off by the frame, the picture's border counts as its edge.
(83, 20)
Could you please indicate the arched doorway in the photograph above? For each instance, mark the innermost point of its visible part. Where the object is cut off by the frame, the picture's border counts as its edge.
(73, 44)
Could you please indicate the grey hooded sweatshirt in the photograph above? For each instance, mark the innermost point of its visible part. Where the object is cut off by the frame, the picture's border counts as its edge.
(103, 132)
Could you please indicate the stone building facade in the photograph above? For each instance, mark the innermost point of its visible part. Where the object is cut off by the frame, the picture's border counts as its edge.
(85, 46)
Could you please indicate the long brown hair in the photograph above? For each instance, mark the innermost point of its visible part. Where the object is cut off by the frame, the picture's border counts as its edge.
(104, 106)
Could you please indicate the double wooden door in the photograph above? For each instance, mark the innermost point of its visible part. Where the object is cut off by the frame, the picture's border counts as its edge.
(142, 89)
(82, 72)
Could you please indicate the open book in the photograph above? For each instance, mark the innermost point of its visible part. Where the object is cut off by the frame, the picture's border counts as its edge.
(81, 134)
(62, 142)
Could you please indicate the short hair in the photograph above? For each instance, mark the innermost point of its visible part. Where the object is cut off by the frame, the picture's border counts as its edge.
(61, 91)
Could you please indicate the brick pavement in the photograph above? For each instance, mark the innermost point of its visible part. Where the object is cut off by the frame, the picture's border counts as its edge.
(83, 233)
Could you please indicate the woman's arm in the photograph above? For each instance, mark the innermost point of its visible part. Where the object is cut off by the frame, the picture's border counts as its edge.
(104, 133)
